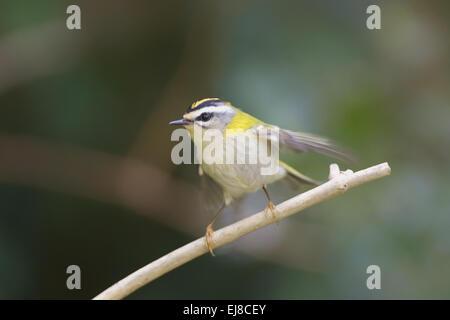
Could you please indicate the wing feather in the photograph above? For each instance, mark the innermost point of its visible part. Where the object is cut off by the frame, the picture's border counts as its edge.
(300, 141)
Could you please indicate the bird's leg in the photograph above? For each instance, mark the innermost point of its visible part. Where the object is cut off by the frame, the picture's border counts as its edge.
(270, 206)
(210, 231)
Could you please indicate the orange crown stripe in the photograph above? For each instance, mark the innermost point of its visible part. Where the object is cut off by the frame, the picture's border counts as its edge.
(197, 103)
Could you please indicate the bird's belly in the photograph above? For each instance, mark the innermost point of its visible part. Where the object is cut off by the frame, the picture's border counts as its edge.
(239, 179)
(244, 174)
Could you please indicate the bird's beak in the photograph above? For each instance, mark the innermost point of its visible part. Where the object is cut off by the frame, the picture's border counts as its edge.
(182, 122)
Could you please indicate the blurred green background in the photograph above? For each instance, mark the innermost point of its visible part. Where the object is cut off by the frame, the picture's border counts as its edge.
(85, 170)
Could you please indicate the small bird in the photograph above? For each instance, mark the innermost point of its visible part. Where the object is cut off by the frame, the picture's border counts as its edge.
(238, 179)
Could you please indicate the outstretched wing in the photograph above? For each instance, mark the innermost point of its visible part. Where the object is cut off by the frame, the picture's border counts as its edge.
(300, 141)
(211, 195)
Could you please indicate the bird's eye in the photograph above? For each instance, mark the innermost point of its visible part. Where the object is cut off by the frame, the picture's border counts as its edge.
(205, 116)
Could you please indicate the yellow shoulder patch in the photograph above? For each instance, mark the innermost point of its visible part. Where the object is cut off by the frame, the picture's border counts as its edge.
(241, 121)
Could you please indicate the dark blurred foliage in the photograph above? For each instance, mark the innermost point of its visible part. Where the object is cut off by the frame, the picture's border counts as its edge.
(85, 170)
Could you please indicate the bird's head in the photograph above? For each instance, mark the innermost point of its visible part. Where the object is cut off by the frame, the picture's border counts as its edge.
(210, 113)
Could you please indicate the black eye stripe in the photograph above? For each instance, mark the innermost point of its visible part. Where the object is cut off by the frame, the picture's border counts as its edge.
(205, 116)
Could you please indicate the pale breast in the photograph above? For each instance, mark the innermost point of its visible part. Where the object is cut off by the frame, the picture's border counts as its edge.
(243, 169)
(239, 179)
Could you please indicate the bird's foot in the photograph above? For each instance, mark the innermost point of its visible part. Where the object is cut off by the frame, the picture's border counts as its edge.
(270, 207)
(209, 238)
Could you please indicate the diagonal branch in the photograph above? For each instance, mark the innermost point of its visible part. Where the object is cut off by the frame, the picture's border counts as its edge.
(339, 183)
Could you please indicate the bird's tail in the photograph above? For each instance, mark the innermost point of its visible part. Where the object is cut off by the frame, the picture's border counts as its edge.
(298, 176)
